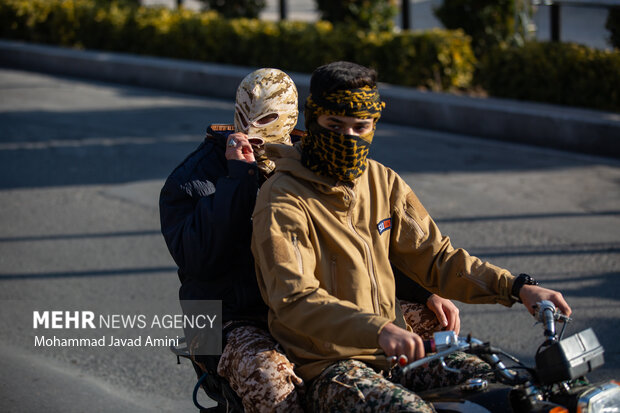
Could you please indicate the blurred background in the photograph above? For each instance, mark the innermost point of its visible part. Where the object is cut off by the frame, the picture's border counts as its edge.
(580, 22)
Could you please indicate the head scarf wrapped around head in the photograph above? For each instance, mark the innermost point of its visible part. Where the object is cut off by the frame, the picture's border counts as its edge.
(261, 95)
(329, 153)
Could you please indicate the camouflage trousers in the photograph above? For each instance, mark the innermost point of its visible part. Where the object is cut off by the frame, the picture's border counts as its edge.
(352, 386)
(422, 321)
(259, 372)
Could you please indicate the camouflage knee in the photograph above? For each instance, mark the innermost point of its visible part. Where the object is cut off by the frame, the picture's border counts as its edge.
(422, 321)
(352, 386)
(259, 373)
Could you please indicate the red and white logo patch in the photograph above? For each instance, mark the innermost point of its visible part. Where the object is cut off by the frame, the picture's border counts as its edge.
(384, 225)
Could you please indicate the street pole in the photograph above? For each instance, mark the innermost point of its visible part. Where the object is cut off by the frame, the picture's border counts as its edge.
(555, 22)
(405, 14)
(283, 11)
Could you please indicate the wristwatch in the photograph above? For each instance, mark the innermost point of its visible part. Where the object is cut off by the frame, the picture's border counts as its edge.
(520, 281)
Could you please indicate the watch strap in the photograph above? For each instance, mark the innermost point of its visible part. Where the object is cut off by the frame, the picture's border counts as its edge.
(520, 281)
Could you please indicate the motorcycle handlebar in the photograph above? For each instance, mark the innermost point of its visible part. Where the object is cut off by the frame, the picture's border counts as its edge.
(445, 343)
(429, 346)
(546, 313)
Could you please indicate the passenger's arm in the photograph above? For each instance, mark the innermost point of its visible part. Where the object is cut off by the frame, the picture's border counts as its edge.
(201, 229)
(446, 312)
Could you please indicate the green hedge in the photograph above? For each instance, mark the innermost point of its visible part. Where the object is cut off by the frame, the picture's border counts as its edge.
(375, 15)
(488, 22)
(438, 60)
(561, 73)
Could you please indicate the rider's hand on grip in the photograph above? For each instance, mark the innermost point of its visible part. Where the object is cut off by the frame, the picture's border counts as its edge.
(533, 294)
(396, 342)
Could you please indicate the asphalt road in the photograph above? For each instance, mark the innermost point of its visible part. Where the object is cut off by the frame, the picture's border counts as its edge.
(81, 166)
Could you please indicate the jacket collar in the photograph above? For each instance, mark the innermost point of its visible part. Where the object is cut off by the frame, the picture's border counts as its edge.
(219, 133)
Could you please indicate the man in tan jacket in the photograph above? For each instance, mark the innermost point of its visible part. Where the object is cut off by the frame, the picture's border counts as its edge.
(326, 227)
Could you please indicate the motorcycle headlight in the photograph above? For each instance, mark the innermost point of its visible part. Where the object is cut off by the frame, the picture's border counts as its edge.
(602, 399)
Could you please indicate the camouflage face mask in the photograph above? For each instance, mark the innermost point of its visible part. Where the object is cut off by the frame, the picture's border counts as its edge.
(266, 110)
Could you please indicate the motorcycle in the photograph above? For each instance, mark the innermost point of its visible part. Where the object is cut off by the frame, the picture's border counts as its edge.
(556, 384)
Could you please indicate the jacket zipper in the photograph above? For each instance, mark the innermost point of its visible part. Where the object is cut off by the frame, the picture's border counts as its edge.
(298, 254)
(476, 281)
(373, 278)
(418, 229)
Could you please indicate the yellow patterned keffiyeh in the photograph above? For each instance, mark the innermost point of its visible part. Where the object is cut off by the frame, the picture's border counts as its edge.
(361, 103)
(334, 154)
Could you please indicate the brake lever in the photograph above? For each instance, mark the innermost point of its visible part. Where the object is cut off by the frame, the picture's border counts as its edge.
(444, 343)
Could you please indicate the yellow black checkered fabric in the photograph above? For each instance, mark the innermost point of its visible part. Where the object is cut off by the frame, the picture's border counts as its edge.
(334, 154)
(361, 103)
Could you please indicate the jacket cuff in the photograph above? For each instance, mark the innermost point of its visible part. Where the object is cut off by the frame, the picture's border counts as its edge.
(507, 291)
(380, 322)
(242, 169)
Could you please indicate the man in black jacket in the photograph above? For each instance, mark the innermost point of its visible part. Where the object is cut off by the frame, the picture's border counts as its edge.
(206, 206)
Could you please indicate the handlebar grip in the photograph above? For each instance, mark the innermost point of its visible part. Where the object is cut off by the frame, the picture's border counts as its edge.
(546, 315)
(429, 346)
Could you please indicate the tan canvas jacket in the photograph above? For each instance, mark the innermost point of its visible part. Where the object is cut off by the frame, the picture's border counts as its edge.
(323, 253)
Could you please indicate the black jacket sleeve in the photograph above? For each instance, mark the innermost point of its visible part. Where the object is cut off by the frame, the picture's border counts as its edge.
(205, 211)
(409, 290)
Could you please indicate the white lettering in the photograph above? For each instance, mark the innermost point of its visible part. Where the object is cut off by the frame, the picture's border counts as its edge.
(87, 319)
(125, 342)
(63, 319)
(38, 319)
(161, 342)
(57, 319)
(75, 319)
(42, 341)
(155, 322)
(196, 321)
